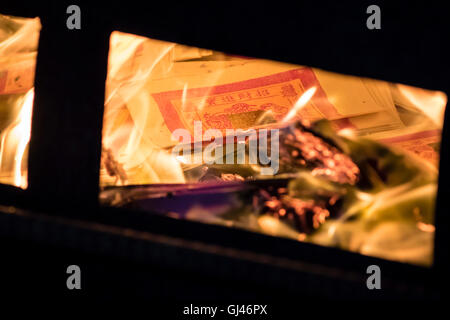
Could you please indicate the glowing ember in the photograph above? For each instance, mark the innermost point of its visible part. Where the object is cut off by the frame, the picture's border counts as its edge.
(306, 216)
(306, 149)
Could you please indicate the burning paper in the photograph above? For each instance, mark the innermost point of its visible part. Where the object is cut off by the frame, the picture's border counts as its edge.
(18, 49)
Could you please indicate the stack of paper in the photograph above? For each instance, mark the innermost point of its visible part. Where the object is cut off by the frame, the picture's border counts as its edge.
(156, 87)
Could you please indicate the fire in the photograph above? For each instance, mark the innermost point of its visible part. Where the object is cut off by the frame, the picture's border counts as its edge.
(301, 102)
(14, 142)
(425, 227)
(431, 103)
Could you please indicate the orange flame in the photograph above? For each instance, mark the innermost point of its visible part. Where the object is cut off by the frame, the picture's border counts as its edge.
(14, 142)
(301, 102)
(431, 103)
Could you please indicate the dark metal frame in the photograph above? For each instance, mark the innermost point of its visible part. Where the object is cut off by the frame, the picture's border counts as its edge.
(65, 144)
